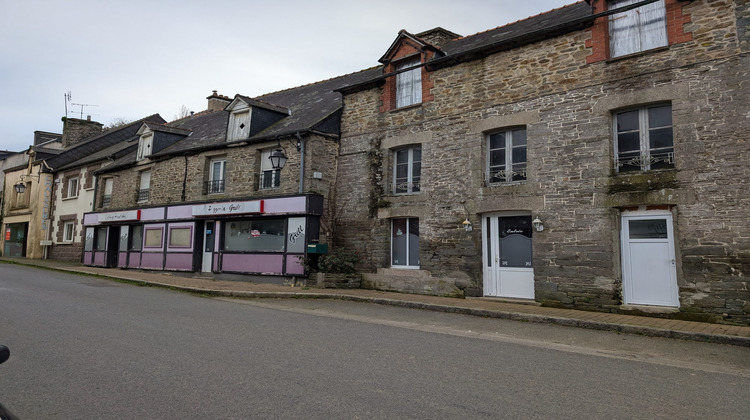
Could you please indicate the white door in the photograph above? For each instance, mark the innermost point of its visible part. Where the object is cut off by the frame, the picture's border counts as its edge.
(648, 261)
(209, 242)
(507, 246)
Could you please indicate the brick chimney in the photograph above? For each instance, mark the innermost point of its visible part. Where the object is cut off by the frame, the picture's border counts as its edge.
(217, 102)
(76, 130)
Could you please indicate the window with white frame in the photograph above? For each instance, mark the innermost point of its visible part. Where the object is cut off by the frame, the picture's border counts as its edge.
(68, 231)
(144, 146)
(107, 198)
(72, 187)
(269, 177)
(407, 170)
(144, 186)
(635, 30)
(644, 139)
(506, 155)
(239, 124)
(216, 175)
(408, 84)
(405, 242)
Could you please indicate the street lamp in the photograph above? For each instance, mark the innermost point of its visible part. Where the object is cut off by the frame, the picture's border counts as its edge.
(20, 187)
(278, 159)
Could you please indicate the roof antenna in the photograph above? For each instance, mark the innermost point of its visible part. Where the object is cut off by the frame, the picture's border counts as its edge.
(82, 105)
(68, 97)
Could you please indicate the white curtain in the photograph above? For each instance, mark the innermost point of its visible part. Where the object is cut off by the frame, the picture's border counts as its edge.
(638, 29)
(408, 85)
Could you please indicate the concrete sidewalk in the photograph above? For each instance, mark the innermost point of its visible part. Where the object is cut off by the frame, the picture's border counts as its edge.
(485, 307)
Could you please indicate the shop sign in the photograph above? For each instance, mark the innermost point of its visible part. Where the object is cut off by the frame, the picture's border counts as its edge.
(223, 209)
(120, 216)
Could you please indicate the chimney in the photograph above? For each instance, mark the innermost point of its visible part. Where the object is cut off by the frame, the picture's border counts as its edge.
(76, 130)
(438, 37)
(217, 102)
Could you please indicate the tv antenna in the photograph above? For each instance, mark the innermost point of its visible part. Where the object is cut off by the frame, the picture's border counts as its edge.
(68, 97)
(82, 105)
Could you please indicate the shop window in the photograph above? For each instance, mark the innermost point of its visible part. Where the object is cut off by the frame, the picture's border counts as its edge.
(644, 139)
(405, 243)
(407, 170)
(136, 238)
(506, 156)
(68, 231)
(259, 235)
(180, 237)
(100, 239)
(636, 30)
(408, 84)
(153, 237)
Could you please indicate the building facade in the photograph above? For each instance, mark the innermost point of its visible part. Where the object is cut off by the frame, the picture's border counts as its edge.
(584, 157)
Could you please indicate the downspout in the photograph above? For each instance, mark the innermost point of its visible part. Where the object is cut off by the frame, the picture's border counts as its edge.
(301, 163)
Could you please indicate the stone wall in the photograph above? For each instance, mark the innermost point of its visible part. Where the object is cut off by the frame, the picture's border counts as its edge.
(567, 106)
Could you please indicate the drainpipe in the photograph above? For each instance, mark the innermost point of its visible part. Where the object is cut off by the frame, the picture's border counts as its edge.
(184, 177)
(301, 163)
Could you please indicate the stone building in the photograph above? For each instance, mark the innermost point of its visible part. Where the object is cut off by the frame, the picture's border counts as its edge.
(592, 156)
(241, 188)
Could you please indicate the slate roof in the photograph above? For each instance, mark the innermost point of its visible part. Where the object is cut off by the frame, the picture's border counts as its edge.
(90, 150)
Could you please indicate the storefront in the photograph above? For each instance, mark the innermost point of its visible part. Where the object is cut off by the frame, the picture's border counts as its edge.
(262, 237)
(14, 244)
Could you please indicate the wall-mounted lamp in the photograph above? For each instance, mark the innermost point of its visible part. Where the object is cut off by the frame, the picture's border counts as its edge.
(278, 158)
(467, 225)
(537, 225)
(21, 186)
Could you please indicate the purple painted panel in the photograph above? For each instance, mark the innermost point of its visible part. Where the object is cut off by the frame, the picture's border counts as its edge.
(216, 261)
(294, 264)
(253, 263)
(181, 262)
(285, 205)
(122, 259)
(100, 258)
(135, 260)
(152, 260)
(90, 219)
(179, 212)
(87, 257)
(156, 213)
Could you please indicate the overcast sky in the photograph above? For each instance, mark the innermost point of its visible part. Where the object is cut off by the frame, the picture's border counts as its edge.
(128, 59)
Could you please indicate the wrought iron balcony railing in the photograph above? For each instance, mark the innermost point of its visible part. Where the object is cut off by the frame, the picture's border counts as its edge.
(143, 195)
(214, 187)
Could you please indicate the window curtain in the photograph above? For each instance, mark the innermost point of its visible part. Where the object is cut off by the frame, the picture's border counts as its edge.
(408, 85)
(638, 29)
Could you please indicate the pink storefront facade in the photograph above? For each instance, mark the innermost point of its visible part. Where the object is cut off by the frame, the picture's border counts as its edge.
(267, 236)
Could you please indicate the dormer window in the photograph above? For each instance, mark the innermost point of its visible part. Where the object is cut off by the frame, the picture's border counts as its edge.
(239, 124)
(640, 29)
(145, 144)
(408, 83)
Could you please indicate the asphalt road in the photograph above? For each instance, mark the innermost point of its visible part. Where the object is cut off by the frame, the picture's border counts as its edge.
(83, 347)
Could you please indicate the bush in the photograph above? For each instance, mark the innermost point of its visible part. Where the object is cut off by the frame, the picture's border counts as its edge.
(337, 261)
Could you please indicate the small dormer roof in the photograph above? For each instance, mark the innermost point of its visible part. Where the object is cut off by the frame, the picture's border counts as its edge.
(240, 100)
(414, 40)
(161, 128)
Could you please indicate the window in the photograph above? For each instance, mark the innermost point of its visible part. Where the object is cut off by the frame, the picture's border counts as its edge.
(264, 235)
(144, 146)
(407, 170)
(216, 168)
(68, 231)
(635, 30)
(72, 187)
(180, 237)
(107, 199)
(144, 186)
(506, 156)
(153, 237)
(239, 124)
(136, 237)
(269, 177)
(643, 139)
(405, 243)
(408, 84)
(100, 239)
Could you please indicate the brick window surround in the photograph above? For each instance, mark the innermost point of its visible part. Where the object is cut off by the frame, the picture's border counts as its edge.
(599, 41)
(405, 52)
(60, 228)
